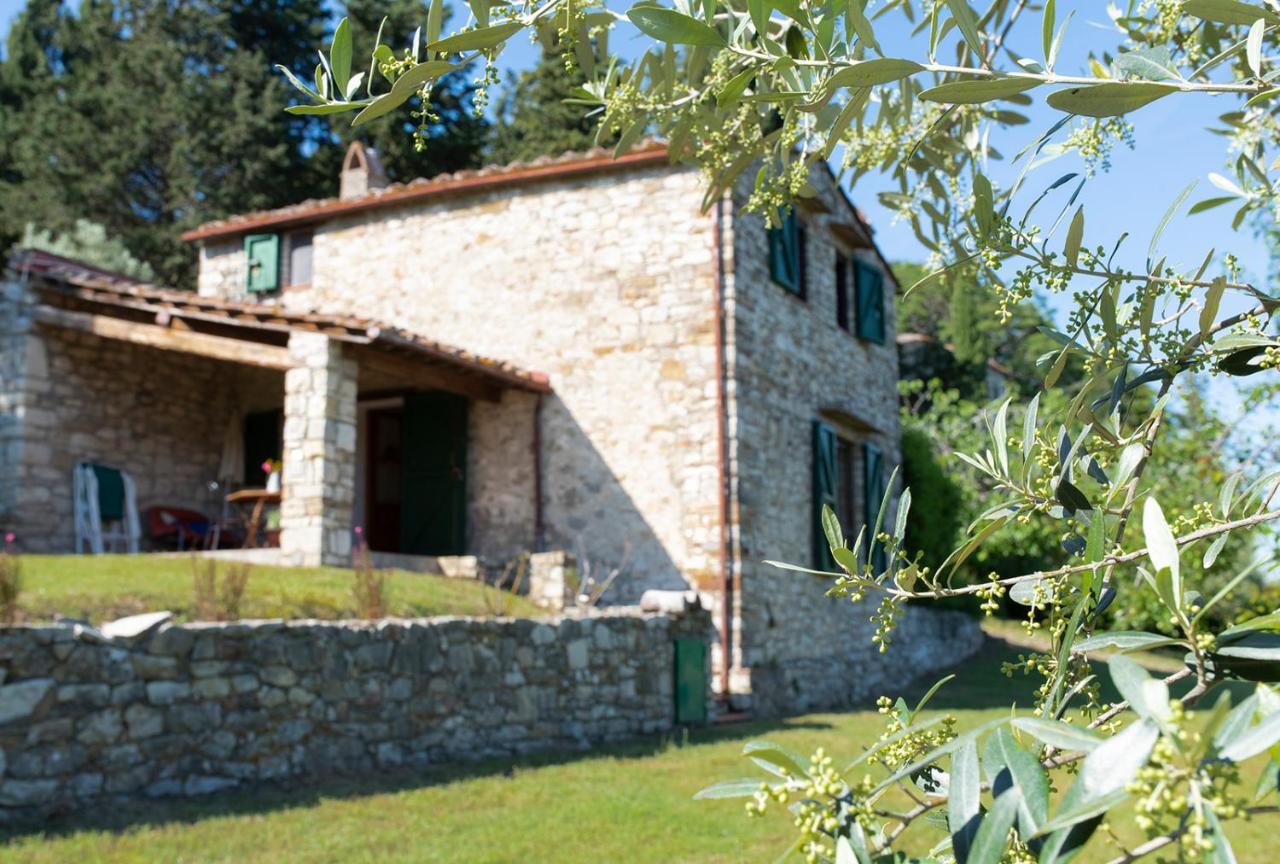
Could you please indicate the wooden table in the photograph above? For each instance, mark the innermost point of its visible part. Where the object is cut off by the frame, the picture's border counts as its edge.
(259, 498)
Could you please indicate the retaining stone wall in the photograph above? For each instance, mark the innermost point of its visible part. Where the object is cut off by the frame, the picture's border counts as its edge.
(199, 708)
(850, 669)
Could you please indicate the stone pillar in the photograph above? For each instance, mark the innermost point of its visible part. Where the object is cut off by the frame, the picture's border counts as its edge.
(15, 351)
(553, 580)
(318, 482)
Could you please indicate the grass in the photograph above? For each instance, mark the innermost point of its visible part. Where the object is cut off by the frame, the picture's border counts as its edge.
(627, 804)
(104, 587)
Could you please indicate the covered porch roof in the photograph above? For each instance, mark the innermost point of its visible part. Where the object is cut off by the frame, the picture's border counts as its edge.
(76, 296)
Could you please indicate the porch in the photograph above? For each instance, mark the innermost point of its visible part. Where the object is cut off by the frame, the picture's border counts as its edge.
(432, 450)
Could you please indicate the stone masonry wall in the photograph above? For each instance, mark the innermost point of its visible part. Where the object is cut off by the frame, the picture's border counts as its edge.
(792, 365)
(15, 348)
(160, 415)
(319, 471)
(201, 708)
(605, 283)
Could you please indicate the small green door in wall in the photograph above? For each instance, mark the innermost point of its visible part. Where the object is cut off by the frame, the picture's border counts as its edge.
(433, 511)
(691, 681)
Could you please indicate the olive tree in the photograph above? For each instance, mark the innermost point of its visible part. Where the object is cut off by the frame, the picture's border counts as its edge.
(765, 88)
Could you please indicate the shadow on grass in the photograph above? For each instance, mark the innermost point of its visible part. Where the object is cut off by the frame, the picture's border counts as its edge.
(303, 792)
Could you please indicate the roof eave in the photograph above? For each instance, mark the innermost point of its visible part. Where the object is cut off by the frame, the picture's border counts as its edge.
(412, 194)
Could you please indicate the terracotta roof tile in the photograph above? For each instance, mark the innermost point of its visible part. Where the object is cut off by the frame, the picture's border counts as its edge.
(84, 282)
(459, 182)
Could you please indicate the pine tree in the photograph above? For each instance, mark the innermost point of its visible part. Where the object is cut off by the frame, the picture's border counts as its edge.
(149, 117)
(534, 119)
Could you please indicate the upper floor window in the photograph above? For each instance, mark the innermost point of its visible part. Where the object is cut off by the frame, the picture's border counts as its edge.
(269, 267)
(869, 301)
(298, 262)
(787, 254)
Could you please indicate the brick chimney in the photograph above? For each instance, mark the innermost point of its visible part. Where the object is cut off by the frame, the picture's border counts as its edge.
(361, 171)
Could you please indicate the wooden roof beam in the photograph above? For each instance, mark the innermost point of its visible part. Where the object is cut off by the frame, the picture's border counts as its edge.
(167, 338)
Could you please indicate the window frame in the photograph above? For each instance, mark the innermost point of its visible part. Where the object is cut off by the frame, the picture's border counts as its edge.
(286, 258)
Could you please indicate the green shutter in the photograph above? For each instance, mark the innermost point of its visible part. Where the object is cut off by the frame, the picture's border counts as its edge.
(873, 492)
(691, 680)
(784, 253)
(262, 255)
(870, 301)
(433, 509)
(824, 490)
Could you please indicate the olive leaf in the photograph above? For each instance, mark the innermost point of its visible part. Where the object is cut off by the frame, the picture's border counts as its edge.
(982, 90)
(667, 25)
(1108, 100)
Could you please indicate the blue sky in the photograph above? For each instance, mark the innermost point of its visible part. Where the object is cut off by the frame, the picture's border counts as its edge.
(1172, 149)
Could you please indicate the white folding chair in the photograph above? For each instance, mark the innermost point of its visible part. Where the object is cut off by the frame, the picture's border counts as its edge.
(93, 535)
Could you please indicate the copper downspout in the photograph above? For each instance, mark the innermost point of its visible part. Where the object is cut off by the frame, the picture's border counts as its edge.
(722, 420)
(539, 530)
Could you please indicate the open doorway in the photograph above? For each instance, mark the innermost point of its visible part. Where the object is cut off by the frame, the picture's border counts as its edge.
(411, 487)
(384, 470)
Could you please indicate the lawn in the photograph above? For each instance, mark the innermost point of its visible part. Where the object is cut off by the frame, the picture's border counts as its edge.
(110, 586)
(630, 804)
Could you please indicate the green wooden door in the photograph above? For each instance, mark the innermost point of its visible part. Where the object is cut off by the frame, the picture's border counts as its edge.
(824, 490)
(433, 510)
(691, 680)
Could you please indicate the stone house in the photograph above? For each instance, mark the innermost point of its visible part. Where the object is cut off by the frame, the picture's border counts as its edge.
(561, 355)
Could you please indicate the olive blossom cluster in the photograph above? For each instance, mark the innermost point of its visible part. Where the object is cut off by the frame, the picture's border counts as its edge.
(755, 92)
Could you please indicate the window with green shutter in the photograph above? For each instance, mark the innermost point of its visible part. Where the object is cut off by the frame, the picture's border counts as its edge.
(873, 494)
(825, 490)
(262, 256)
(786, 254)
(869, 301)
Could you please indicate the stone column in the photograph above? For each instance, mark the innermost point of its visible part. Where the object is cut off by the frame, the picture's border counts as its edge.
(318, 482)
(15, 326)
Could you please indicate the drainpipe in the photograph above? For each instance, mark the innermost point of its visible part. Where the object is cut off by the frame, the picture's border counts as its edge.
(539, 530)
(722, 433)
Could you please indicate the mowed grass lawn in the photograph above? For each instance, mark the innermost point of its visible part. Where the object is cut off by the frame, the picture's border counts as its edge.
(629, 804)
(104, 587)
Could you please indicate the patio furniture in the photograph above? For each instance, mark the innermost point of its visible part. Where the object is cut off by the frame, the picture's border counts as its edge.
(257, 499)
(105, 509)
(177, 527)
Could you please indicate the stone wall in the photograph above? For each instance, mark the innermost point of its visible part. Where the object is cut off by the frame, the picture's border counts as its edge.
(791, 365)
(603, 282)
(319, 470)
(159, 415)
(201, 708)
(848, 668)
(15, 358)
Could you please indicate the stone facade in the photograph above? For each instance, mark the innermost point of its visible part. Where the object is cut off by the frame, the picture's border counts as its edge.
(200, 708)
(617, 286)
(606, 284)
(792, 365)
